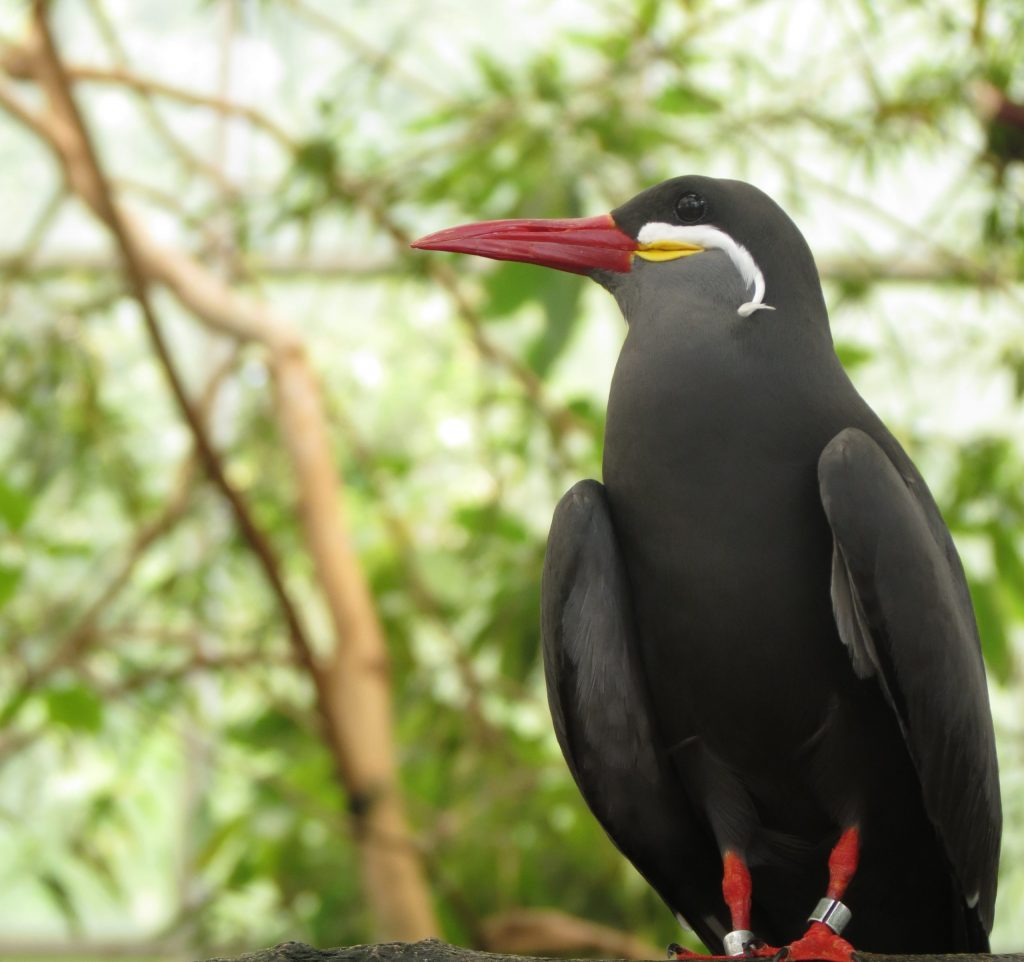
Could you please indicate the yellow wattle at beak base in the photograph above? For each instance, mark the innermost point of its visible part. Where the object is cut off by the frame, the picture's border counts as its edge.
(666, 250)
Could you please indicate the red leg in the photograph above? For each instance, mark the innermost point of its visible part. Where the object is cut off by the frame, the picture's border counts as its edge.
(821, 941)
(842, 863)
(736, 890)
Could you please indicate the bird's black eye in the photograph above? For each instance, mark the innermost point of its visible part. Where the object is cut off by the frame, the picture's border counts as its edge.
(691, 207)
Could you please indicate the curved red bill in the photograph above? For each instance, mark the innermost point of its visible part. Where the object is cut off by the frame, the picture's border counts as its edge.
(578, 244)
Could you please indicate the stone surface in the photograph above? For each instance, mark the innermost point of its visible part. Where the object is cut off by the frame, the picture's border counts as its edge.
(432, 950)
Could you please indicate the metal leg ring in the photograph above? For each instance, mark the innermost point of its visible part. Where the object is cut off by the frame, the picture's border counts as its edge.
(736, 941)
(833, 913)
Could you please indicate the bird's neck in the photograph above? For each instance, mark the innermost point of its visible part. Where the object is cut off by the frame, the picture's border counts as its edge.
(692, 403)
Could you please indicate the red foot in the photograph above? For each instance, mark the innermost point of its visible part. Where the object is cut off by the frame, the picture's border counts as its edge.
(696, 957)
(822, 944)
(762, 951)
(676, 951)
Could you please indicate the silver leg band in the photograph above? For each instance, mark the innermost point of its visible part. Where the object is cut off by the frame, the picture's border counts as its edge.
(735, 942)
(833, 913)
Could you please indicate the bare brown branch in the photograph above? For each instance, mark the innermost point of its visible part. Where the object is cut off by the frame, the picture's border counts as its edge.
(179, 147)
(121, 76)
(54, 81)
(86, 628)
(560, 420)
(353, 691)
(296, 267)
(278, 266)
(376, 59)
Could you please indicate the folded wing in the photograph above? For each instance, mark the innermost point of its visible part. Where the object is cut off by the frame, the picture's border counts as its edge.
(599, 704)
(903, 610)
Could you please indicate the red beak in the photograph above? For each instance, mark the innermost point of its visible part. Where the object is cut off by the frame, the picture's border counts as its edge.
(579, 244)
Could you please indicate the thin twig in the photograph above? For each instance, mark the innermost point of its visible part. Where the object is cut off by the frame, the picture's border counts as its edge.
(560, 420)
(353, 694)
(287, 268)
(954, 261)
(138, 284)
(279, 267)
(85, 631)
(121, 76)
(16, 265)
(163, 130)
(428, 603)
(376, 59)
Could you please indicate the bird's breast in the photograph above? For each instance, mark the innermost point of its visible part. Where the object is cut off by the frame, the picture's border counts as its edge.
(715, 503)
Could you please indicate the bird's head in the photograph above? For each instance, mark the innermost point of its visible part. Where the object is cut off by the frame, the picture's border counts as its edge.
(658, 242)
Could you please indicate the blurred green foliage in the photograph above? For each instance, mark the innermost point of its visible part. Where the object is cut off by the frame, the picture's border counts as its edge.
(160, 772)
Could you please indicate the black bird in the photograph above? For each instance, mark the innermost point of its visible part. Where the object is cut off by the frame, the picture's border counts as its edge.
(758, 638)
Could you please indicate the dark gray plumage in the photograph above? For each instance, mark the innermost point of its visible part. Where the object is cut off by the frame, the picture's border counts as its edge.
(757, 632)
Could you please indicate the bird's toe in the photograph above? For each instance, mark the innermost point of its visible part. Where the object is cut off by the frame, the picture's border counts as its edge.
(819, 943)
(753, 949)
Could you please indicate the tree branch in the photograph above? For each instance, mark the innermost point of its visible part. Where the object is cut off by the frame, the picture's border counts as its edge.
(353, 692)
(431, 950)
(183, 150)
(123, 77)
(199, 291)
(375, 59)
(186, 284)
(285, 267)
(560, 420)
(85, 630)
(279, 266)
(60, 93)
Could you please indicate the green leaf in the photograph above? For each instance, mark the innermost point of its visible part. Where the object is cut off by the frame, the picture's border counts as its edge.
(76, 707)
(13, 706)
(15, 506)
(317, 157)
(92, 856)
(508, 288)
(647, 14)
(490, 521)
(995, 644)
(61, 896)
(852, 290)
(493, 74)
(852, 356)
(684, 99)
(1014, 360)
(1009, 566)
(560, 296)
(269, 727)
(9, 580)
(215, 842)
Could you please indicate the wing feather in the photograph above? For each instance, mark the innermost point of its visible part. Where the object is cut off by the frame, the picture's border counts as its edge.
(903, 609)
(599, 705)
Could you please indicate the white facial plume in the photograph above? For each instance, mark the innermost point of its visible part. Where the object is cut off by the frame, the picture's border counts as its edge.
(660, 237)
